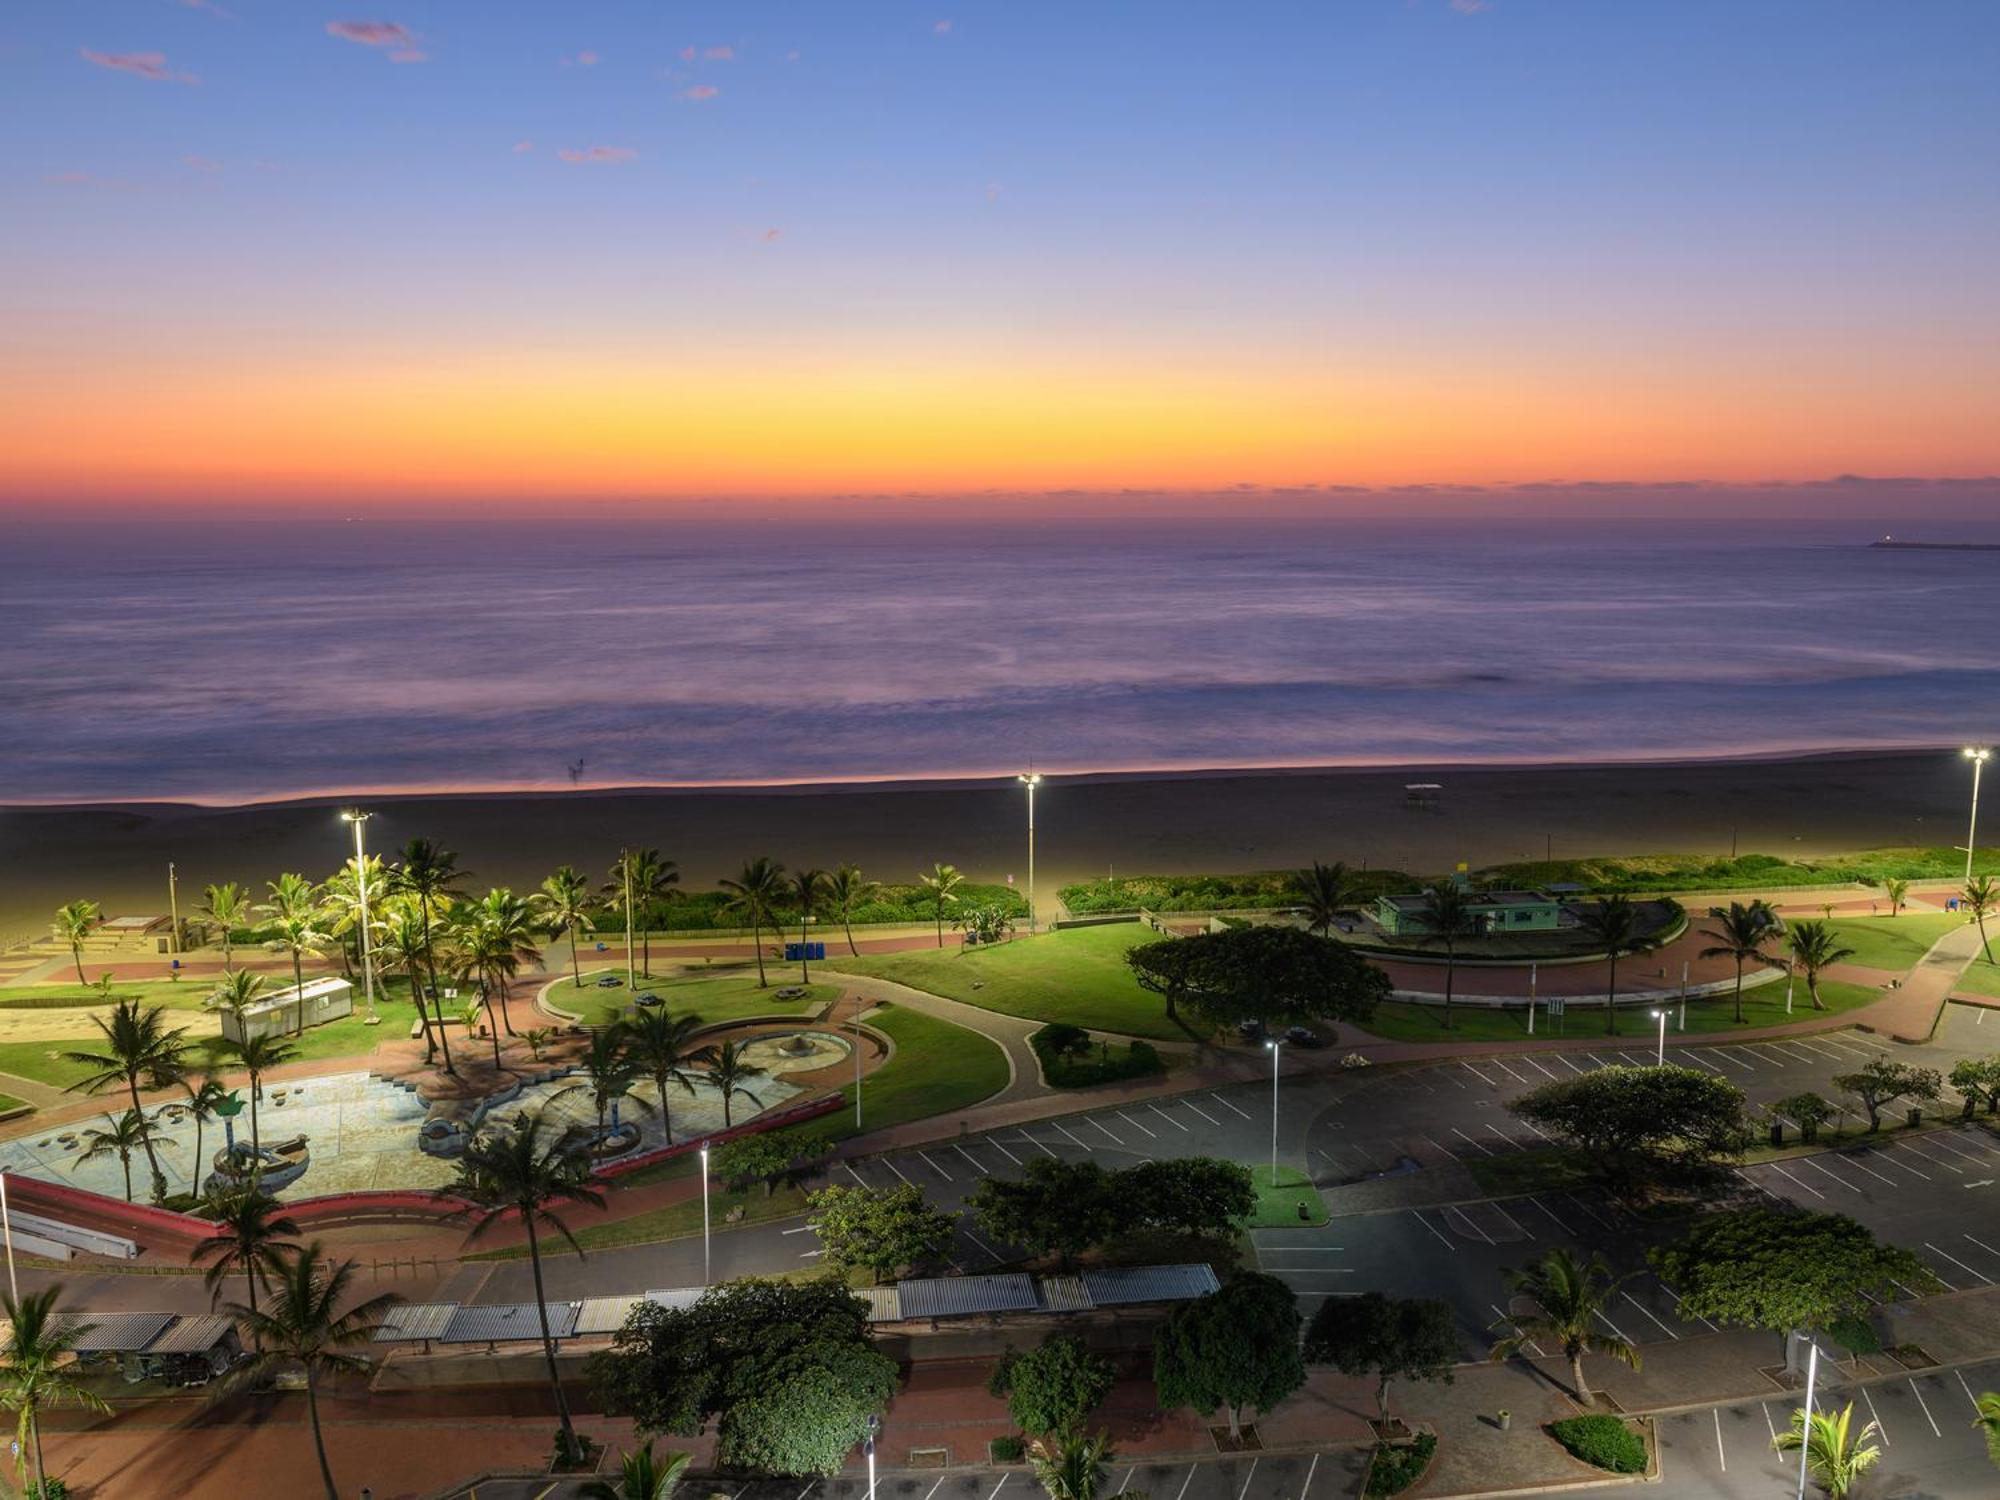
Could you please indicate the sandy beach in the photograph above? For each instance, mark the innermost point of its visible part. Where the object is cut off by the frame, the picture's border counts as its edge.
(1218, 821)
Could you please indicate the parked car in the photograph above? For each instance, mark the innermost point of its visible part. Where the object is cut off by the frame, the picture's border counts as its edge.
(609, 981)
(1304, 1036)
(1250, 1031)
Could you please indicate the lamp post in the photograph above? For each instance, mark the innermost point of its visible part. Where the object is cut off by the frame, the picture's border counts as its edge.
(1805, 1427)
(704, 1216)
(1660, 1056)
(357, 817)
(1031, 780)
(1277, 1047)
(174, 910)
(1978, 755)
(868, 1447)
(857, 1061)
(7, 1225)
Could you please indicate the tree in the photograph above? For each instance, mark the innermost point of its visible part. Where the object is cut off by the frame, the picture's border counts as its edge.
(252, 1239)
(1740, 932)
(1880, 1083)
(730, 1073)
(1898, 894)
(1813, 948)
(1629, 1123)
(1166, 968)
(138, 1044)
(258, 1056)
(341, 905)
(224, 907)
(1448, 914)
(1569, 1296)
(1979, 897)
(808, 888)
(1059, 1039)
(1978, 1079)
(1613, 923)
(1051, 1390)
(402, 941)
(75, 921)
(1280, 974)
(1391, 1338)
(1324, 892)
(120, 1137)
(880, 1230)
(1781, 1269)
(1070, 1466)
(609, 1070)
(661, 1046)
(1188, 1195)
(565, 905)
(642, 1477)
(845, 890)
(1808, 1111)
(39, 1371)
(235, 992)
(1055, 1207)
(1237, 1347)
(498, 935)
(293, 920)
(752, 895)
(526, 1172)
(304, 1325)
(430, 877)
(652, 882)
(942, 882)
(1836, 1456)
(202, 1099)
(1988, 1422)
(769, 1157)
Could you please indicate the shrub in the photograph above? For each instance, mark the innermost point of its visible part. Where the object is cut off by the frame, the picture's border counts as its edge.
(1398, 1466)
(1006, 1450)
(1602, 1440)
(1856, 1335)
(1070, 1060)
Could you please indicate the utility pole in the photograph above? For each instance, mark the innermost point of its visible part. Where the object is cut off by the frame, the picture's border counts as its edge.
(174, 907)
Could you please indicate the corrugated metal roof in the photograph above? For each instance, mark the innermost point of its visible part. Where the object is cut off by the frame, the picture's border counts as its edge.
(960, 1296)
(508, 1320)
(194, 1334)
(605, 1314)
(115, 1333)
(1065, 1294)
(885, 1305)
(411, 1321)
(676, 1296)
(1121, 1284)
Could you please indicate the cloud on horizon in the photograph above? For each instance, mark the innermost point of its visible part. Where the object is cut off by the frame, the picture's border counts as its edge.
(597, 155)
(582, 60)
(392, 37)
(152, 65)
(701, 91)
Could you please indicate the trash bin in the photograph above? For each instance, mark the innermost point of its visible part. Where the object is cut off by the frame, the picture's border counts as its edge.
(1777, 1132)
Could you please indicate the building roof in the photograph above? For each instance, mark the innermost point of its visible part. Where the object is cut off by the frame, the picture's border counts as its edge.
(1419, 903)
(960, 1296)
(1065, 1294)
(131, 924)
(605, 1314)
(676, 1296)
(885, 1304)
(115, 1333)
(196, 1333)
(497, 1322)
(411, 1321)
(292, 994)
(1122, 1284)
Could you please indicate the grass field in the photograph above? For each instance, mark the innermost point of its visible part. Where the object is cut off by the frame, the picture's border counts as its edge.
(9, 1103)
(937, 1068)
(1401, 1021)
(1076, 975)
(729, 997)
(1278, 1203)
(175, 994)
(1982, 978)
(1892, 942)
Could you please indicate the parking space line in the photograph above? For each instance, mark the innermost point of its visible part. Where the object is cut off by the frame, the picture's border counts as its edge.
(1067, 1135)
(1614, 1328)
(854, 1174)
(1217, 1098)
(1794, 1047)
(1121, 1484)
(898, 1171)
(1790, 1178)
(1918, 1393)
(1596, 1059)
(1813, 1045)
(1587, 1209)
(1481, 1146)
(1721, 1458)
(1694, 1056)
(1677, 1308)
(994, 1495)
(1446, 1216)
(1875, 1416)
(808, 1489)
(1767, 1421)
(1538, 1130)
(1983, 1245)
(1723, 1053)
(1203, 1113)
(934, 1488)
(1918, 1296)
(1003, 1151)
(1976, 1410)
(1311, 1469)
(1533, 1064)
(1489, 1082)
(1824, 1171)
(1046, 1149)
(1526, 1233)
(1651, 1314)
(1252, 1474)
(1442, 1239)
(973, 1159)
(1525, 1343)
(1948, 1165)
(1945, 1143)
(936, 1168)
(1165, 1116)
(1136, 1125)
(1093, 1120)
(1755, 1183)
(1506, 1137)
(997, 1256)
(1502, 1066)
(1882, 1154)
(1861, 1166)
(1957, 1262)
(1552, 1218)
(1441, 1146)
(1447, 1075)
(1180, 1495)
(1568, 1064)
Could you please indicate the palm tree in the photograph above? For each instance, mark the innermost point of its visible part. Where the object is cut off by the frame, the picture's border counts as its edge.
(660, 1045)
(1835, 1456)
(120, 1137)
(39, 1372)
(138, 1043)
(1898, 892)
(942, 882)
(845, 890)
(1071, 1466)
(235, 992)
(1740, 933)
(402, 942)
(565, 904)
(652, 882)
(1614, 923)
(752, 894)
(202, 1101)
(430, 876)
(729, 1073)
(1988, 1422)
(1449, 915)
(1568, 1295)
(1980, 896)
(225, 907)
(1324, 892)
(609, 1070)
(1813, 947)
(517, 1172)
(74, 922)
(498, 934)
(340, 904)
(294, 916)
(252, 1239)
(258, 1056)
(644, 1477)
(303, 1326)
(809, 889)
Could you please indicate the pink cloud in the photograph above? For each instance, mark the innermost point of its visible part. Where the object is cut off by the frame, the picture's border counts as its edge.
(598, 155)
(687, 54)
(211, 7)
(941, 28)
(582, 60)
(151, 65)
(1471, 7)
(409, 55)
(373, 33)
(201, 163)
(522, 148)
(771, 235)
(720, 54)
(994, 190)
(701, 91)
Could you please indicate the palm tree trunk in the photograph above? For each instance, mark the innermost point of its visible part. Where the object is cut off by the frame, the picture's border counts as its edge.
(506, 1019)
(152, 1160)
(41, 1470)
(805, 966)
(76, 952)
(548, 1343)
(1611, 1000)
(256, 1141)
(125, 1160)
(319, 1438)
(575, 966)
(437, 994)
(1450, 974)
(1812, 990)
(194, 1172)
(1235, 1419)
(849, 926)
(1582, 1390)
(494, 1026)
(298, 983)
(757, 942)
(1739, 992)
(940, 921)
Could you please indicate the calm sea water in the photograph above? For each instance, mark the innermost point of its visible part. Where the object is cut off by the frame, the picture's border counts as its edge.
(228, 663)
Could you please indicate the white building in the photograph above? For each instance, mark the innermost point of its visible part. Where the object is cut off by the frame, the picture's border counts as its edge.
(288, 1011)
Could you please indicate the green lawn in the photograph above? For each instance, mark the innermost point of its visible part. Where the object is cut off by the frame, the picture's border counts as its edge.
(1402, 1021)
(8, 1103)
(675, 1221)
(1076, 975)
(1893, 942)
(937, 1068)
(1278, 1204)
(1980, 977)
(731, 997)
(175, 994)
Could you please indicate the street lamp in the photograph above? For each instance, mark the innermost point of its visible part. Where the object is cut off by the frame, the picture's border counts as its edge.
(868, 1447)
(7, 1225)
(1031, 780)
(1660, 1058)
(1978, 755)
(1277, 1046)
(1805, 1426)
(357, 817)
(704, 1216)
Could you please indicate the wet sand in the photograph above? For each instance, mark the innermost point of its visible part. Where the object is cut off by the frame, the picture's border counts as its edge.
(1087, 826)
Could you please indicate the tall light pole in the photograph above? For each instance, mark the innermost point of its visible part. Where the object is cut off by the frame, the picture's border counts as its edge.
(1031, 780)
(1660, 1057)
(874, 1426)
(1805, 1427)
(1978, 755)
(704, 1216)
(7, 1225)
(1277, 1047)
(857, 1061)
(357, 817)
(174, 910)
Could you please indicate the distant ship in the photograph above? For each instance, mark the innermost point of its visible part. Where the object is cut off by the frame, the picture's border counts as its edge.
(1893, 545)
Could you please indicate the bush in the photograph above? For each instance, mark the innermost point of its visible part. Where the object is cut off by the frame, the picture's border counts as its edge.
(1006, 1450)
(1856, 1335)
(1068, 1066)
(1398, 1466)
(1258, 891)
(702, 911)
(1602, 1440)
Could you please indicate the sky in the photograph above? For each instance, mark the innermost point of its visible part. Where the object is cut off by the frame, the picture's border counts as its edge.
(278, 254)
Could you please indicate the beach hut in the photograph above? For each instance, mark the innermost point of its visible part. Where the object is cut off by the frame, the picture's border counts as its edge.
(288, 1011)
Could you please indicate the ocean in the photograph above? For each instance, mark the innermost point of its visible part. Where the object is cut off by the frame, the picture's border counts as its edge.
(258, 660)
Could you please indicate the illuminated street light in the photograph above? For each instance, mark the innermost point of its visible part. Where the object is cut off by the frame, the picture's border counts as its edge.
(1660, 1058)
(1031, 780)
(1277, 1046)
(704, 1216)
(1978, 755)
(357, 817)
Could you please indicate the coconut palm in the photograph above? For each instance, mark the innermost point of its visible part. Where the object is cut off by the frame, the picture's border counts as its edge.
(809, 889)
(224, 907)
(643, 1477)
(252, 1239)
(341, 904)
(1071, 1466)
(526, 1172)
(235, 992)
(294, 922)
(845, 890)
(942, 882)
(203, 1097)
(1740, 932)
(1613, 924)
(1979, 897)
(402, 944)
(120, 1137)
(565, 904)
(1988, 1422)
(429, 876)
(75, 921)
(1569, 1295)
(497, 933)
(753, 894)
(660, 1045)
(138, 1044)
(1813, 947)
(258, 1055)
(1836, 1456)
(1898, 894)
(304, 1325)
(729, 1074)
(609, 1070)
(651, 884)
(39, 1371)
(1324, 892)
(1448, 913)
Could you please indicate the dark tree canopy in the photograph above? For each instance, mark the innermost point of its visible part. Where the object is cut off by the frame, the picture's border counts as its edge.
(1235, 1348)
(1273, 974)
(1052, 1389)
(1059, 1208)
(1631, 1121)
(1880, 1083)
(1188, 1195)
(1408, 1338)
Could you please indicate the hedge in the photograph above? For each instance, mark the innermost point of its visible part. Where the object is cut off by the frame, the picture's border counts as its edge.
(1398, 1466)
(1602, 1440)
(1106, 1064)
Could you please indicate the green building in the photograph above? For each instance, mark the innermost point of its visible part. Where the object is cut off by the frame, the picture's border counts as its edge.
(1491, 912)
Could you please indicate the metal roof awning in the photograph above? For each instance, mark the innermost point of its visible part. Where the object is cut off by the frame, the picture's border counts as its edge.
(114, 1333)
(1123, 1284)
(605, 1314)
(194, 1334)
(408, 1322)
(503, 1321)
(676, 1296)
(1065, 1294)
(885, 1305)
(963, 1296)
